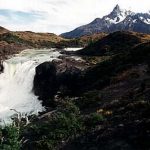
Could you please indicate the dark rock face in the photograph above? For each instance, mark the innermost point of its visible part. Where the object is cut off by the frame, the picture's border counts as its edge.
(1, 68)
(49, 80)
(45, 83)
(70, 81)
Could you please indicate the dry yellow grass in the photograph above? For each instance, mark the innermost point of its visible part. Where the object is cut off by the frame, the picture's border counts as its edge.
(38, 37)
(93, 37)
(3, 30)
(144, 37)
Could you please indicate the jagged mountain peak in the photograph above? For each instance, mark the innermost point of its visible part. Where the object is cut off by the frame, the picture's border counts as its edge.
(117, 9)
(118, 15)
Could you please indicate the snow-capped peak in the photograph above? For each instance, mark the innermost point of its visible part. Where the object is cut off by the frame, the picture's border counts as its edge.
(129, 12)
(117, 15)
(144, 18)
(117, 11)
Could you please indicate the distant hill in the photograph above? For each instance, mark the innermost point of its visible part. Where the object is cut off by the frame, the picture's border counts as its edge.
(29, 38)
(13, 42)
(88, 39)
(115, 43)
(39, 39)
(117, 20)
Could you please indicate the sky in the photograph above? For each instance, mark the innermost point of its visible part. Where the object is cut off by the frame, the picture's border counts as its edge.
(58, 16)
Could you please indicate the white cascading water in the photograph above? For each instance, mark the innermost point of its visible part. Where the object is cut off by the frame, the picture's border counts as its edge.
(16, 83)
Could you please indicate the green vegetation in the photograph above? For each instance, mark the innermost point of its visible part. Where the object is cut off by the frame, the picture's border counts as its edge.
(65, 124)
(62, 125)
(88, 100)
(9, 138)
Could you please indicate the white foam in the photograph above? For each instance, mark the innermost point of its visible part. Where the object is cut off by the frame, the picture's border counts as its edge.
(16, 83)
(72, 49)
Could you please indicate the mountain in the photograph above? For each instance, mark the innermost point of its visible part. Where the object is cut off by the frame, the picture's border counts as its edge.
(118, 19)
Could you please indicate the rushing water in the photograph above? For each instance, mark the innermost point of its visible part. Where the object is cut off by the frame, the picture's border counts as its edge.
(16, 83)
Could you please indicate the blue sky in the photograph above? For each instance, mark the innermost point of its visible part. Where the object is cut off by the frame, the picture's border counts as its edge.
(20, 16)
(59, 16)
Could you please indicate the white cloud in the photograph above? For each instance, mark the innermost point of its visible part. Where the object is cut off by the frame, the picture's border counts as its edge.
(63, 15)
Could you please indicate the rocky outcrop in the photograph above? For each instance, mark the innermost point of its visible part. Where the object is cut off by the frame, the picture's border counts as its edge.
(56, 77)
(70, 81)
(1, 68)
(45, 83)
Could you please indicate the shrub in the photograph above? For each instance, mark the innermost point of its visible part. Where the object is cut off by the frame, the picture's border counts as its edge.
(90, 99)
(93, 119)
(9, 138)
(64, 124)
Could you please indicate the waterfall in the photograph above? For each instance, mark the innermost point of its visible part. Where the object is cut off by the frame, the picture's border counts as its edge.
(16, 83)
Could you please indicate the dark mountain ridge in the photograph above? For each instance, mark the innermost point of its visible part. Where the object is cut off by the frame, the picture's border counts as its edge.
(114, 43)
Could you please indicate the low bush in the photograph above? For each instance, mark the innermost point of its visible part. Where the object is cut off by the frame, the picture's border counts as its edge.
(9, 138)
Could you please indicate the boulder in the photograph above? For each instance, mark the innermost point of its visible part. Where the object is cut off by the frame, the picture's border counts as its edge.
(45, 83)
